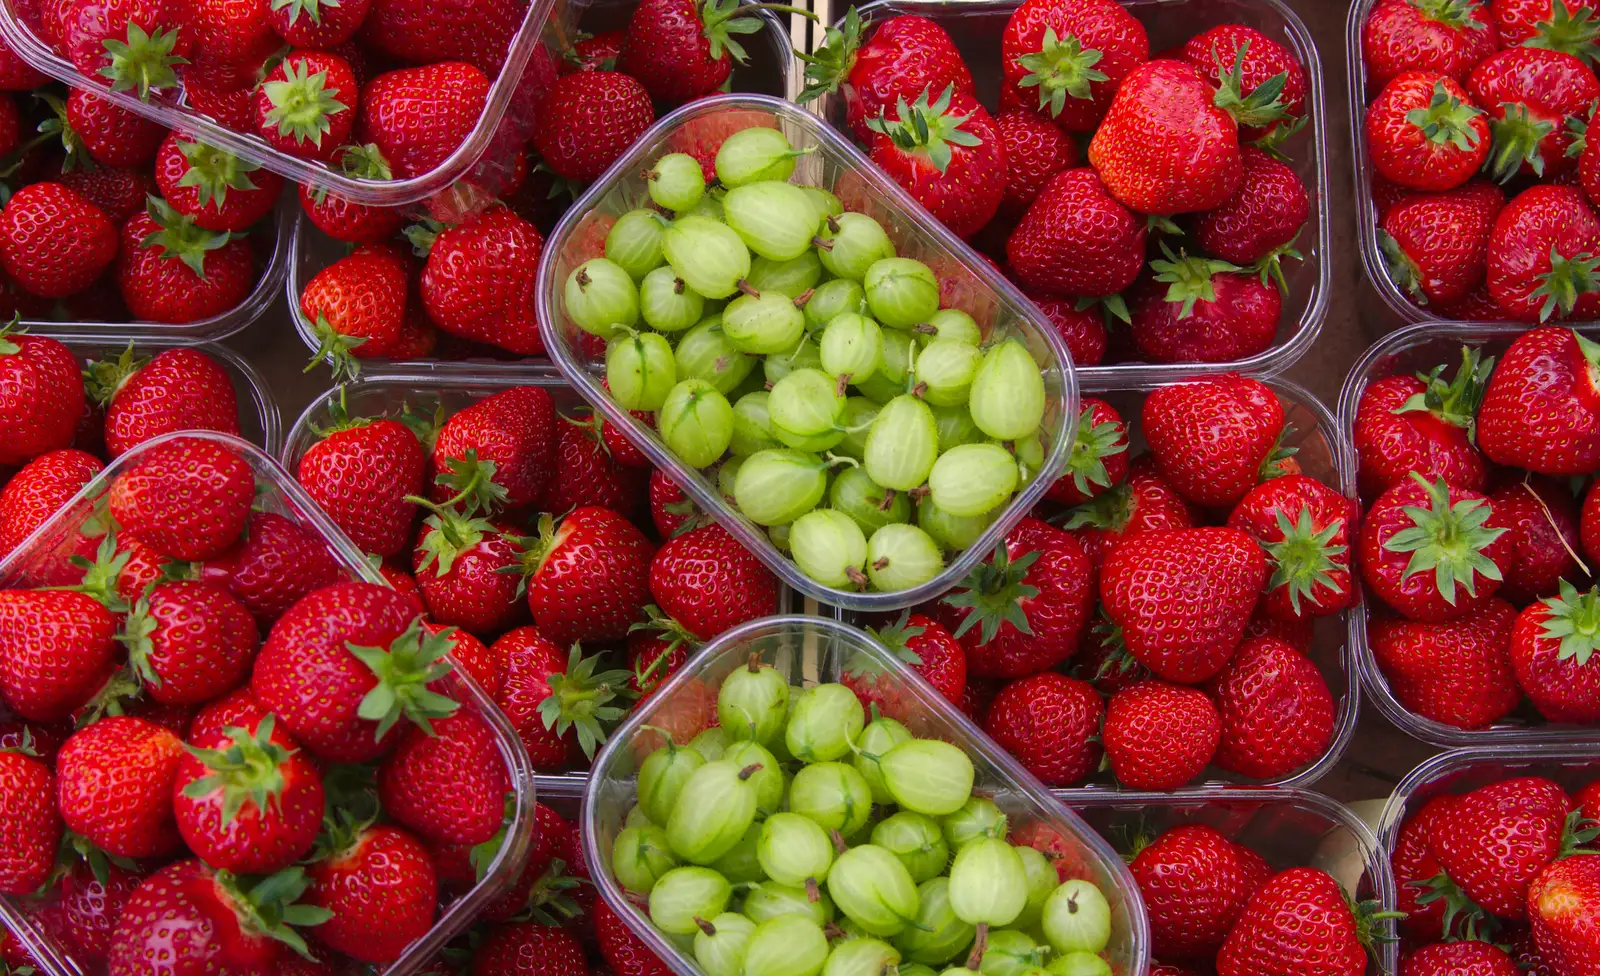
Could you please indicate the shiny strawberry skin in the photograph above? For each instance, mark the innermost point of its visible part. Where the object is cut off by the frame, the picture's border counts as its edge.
(905, 56)
(382, 891)
(201, 642)
(31, 829)
(966, 193)
(709, 583)
(1277, 712)
(1418, 595)
(39, 490)
(1297, 924)
(1564, 906)
(1465, 958)
(670, 508)
(530, 659)
(480, 592)
(586, 473)
(41, 397)
(1159, 736)
(1049, 723)
(1458, 672)
(362, 297)
(187, 499)
(1097, 25)
(1035, 150)
(279, 562)
(1211, 438)
(56, 650)
(1296, 498)
(479, 281)
(1542, 408)
(1545, 521)
(355, 223)
(1399, 36)
(529, 949)
(361, 476)
(178, 389)
(185, 904)
(1144, 502)
(1216, 51)
(1441, 241)
(1549, 86)
(1391, 443)
(1494, 840)
(1195, 883)
(588, 119)
(1537, 221)
(89, 909)
(1564, 687)
(1414, 865)
(1267, 212)
(425, 33)
(1400, 148)
(53, 242)
(238, 207)
(158, 287)
(114, 782)
(517, 429)
(449, 787)
(417, 117)
(112, 135)
(624, 952)
(1083, 330)
(1077, 239)
(1112, 456)
(591, 580)
(1240, 322)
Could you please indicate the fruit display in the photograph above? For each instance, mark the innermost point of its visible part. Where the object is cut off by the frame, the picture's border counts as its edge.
(1152, 177)
(221, 722)
(1492, 854)
(959, 398)
(581, 578)
(1477, 191)
(890, 832)
(1476, 445)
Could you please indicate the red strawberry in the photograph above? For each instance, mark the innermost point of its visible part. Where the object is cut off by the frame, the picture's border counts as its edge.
(479, 281)
(709, 583)
(555, 700)
(684, 49)
(656, 651)
(115, 786)
(670, 508)
(321, 24)
(1099, 458)
(231, 104)
(39, 490)
(1446, 36)
(1551, 646)
(127, 44)
(380, 891)
(945, 150)
(1077, 239)
(1436, 245)
(1195, 884)
(1541, 410)
(1035, 150)
(416, 33)
(529, 949)
(361, 473)
(1545, 522)
(449, 786)
(357, 308)
(1082, 329)
(1564, 907)
(1144, 502)
(1526, 955)
(624, 952)
(177, 389)
(588, 119)
(231, 39)
(218, 189)
(1024, 609)
(1159, 736)
(1051, 724)
(588, 578)
(1195, 309)
(1433, 552)
(1541, 255)
(923, 643)
(120, 193)
(279, 562)
(1068, 58)
(466, 570)
(1306, 528)
(110, 134)
(594, 52)
(1466, 958)
(1262, 219)
(1261, 59)
(53, 242)
(1300, 923)
(417, 117)
(187, 498)
(56, 650)
(1277, 713)
(32, 830)
(587, 472)
(344, 220)
(1415, 867)
(1529, 94)
(1214, 439)
(1494, 840)
(189, 642)
(17, 75)
(508, 438)
(1104, 661)
(171, 270)
(306, 106)
(1425, 133)
(1457, 673)
(237, 709)
(1422, 424)
(904, 56)
(91, 905)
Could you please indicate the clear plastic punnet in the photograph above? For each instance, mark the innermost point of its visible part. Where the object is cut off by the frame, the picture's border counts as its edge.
(42, 556)
(810, 651)
(968, 282)
(976, 27)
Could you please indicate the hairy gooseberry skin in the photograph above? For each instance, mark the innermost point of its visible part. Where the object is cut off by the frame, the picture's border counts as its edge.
(832, 794)
(859, 413)
(833, 298)
(854, 493)
(988, 884)
(1079, 964)
(851, 243)
(714, 809)
(640, 370)
(901, 292)
(793, 277)
(788, 945)
(949, 323)
(706, 254)
(634, 242)
(706, 353)
(805, 403)
(901, 557)
(774, 219)
(902, 444)
(823, 721)
(1042, 881)
(794, 850)
(754, 154)
(972, 479)
(979, 817)
(661, 779)
(667, 303)
(873, 889)
(768, 780)
(677, 182)
(939, 935)
(721, 952)
(601, 298)
(684, 894)
(945, 370)
(764, 324)
(917, 841)
(829, 547)
(768, 900)
(879, 736)
(777, 487)
(753, 703)
(861, 957)
(955, 532)
(696, 421)
(640, 856)
(1077, 918)
(851, 347)
(752, 425)
(928, 776)
(778, 366)
(740, 865)
(1007, 397)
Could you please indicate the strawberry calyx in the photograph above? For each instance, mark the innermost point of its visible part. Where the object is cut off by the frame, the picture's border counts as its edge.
(1273, 141)
(76, 848)
(137, 627)
(1269, 269)
(1277, 463)
(213, 172)
(115, 697)
(1061, 67)
(1447, 119)
(249, 768)
(473, 482)
(1119, 661)
(1189, 279)
(1574, 35)
(103, 378)
(311, 8)
(675, 634)
(453, 534)
(339, 414)
(425, 426)
(1110, 510)
(537, 549)
(927, 128)
(1303, 556)
(831, 63)
(1263, 106)
(549, 899)
(180, 238)
(268, 907)
(422, 234)
(412, 661)
(1370, 918)
(337, 348)
(143, 61)
(1447, 539)
(1113, 308)
(1458, 907)
(897, 637)
(1092, 445)
(1573, 619)
(1565, 281)
(11, 328)
(721, 19)
(483, 854)
(1451, 13)
(1591, 354)
(994, 593)
(100, 575)
(580, 700)
(302, 103)
(76, 154)
(1577, 834)
(1516, 137)
(1403, 270)
(1455, 402)
(24, 746)
(364, 161)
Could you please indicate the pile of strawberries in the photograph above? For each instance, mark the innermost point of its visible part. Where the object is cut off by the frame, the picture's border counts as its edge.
(1147, 193)
(1482, 524)
(1485, 182)
(1501, 880)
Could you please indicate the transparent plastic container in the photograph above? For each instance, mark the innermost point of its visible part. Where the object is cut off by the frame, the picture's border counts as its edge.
(976, 27)
(265, 291)
(278, 492)
(811, 651)
(1418, 348)
(259, 421)
(969, 282)
(1288, 827)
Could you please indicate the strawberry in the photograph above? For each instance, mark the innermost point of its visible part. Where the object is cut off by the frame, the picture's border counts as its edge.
(92, 898)
(1435, 245)
(279, 562)
(1305, 526)
(1035, 150)
(341, 654)
(344, 220)
(127, 44)
(1541, 410)
(189, 642)
(587, 472)
(1050, 723)
(1457, 673)
(1104, 661)
(670, 508)
(1099, 458)
(555, 701)
(945, 150)
(1564, 907)
(171, 270)
(466, 569)
(1526, 955)
(1077, 239)
(305, 106)
(588, 578)
(417, 117)
(1425, 133)
(926, 646)
(32, 830)
(479, 281)
(186, 498)
(684, 49)
(1528, 95)
(323, 24)
(231, 105)
(218, 189)
(1261, 59)
(588, 119)
(230, 39)
(1589, 524)
(709, 583)
(53, 242)
(1277, 712)
(1415, 869)
(623, 951)
(119, 193)
(1024, 609)
(111, 135)
(1466, 958)
(1195, 883)
(1550, 648)
(1431, 551)
(1545, 522)
(657, 649)
(450, 786)
(1195, 309)
(357, 308)
(1443, 36)
(1553, 24)
(56, 650)
(361, 473)
(414, 33)
(39, 490)
(1541, 260)
(903, 57)
(529, 949)
(508, 439)
(594, 52)
(1494, 840)
(17, 75)
(379, 890)
(1215, 439)
(1068, 58)
(177, 389)
(1422, 424)
(1261, 220)
(114, 782)
(1182, 597)
(1143, 502)
(1300, 923)
(1159, 736)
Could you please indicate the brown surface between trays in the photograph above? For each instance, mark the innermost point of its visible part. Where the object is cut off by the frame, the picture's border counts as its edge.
(1380, 754)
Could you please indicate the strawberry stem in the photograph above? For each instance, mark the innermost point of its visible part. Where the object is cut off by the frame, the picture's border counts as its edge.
(1516, 137)
(581, 699)
(1568, 34)
(1061, 67)
(404, 670)
(1093, 444)
(143, 61)
(1189, 279)
(1446, 119)
(927, 128)
(831, 63)
(1565, 281)
(302, 104)
(994, 593)
(1448, 539)
(1303, 557)
(1455, 402)
(251, 768)
(1573, 619)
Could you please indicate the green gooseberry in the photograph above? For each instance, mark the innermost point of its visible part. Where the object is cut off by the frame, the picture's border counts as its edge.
(720, 944)
(927, 776)
(795, 276)
(728, 474)
(763, 323)
(826, 204)
(916, 969)
(902, 444)
(1009, 952)
(1029, 452)
(902, 557)
(939, 935)
(676, 181)
(849, 244)
(805, 403)
(1042, 881)
(824, 720)
(851, 348)
(829, 547)
(972, 479)
(1007, 397)
(954, 532)
(988, 884)
(1076, 964)
(778, 535)
(794, 851)
(949, 323)
(640, 369)
(753, 154)
(714, 809)
(706, 254)
(901, 292)
(979, 817)
(635, 817)
(917, 841)
(1077, 918)
(768, 779)
(868, 503)
(776, 487)
(832, 299)
(879, 736)
(804, 355)
(685, 894)
(601, 297)
(789, 945)
(667, 303)
(740, 865)
(661, 779)
(710, 744)
(945, 369)
(768, 900)
(774, 219)
(753, 702)
(634, 242)
(890, 379)
(955, 427)
(640, 856)
(706, 353)
(832, 794)
(859, 413)
(752, 426)
(862, 957)
(872, 888)
(696, 422)
(709, 206)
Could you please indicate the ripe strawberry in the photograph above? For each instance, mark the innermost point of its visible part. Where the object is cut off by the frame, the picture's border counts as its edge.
(1067, 58)
(1143, 502)
(31, 829)
(588, 578)
(1197, 309)
(306, 106)
(594, 52)
(417, 117)
(218, 189)
(945, 150)
(1541, 255)
(111, 135)
(1082, 329)
(17, 75)
(927, 647)
(1422, 424)
(1550, 648)
(1050, 723)
(1466, 958)
(1277, 713)
(357, 308)
(415, 33)
(670, 508)
(119, 193)
(1261, 59)
(189, 642)
(1544, 520)
(1433, 552)
(1528, 95)
(555, 701)
(1024, 609)
(56, 651)
(361, 473)
(449, 786)
(709, 583)
(127, 44)
(53, 242)
(338, 655)
(1099, 458)
(1541, 410)
(624, 952)
(39, 490)
(904, 56)
(344, 220)
(1214, 440)
(1300, 923)
(380, 889)
(479, 281)
(1195, 883)
(1077, 239)
(1564, 907)
(1494, 840)
(41, 396)
(1415, 868)
(1104, 661)
(1445, 36)
(171, 270)
(1525, 954)
(323, 24)
(91, 902)
(1436, 245)
(684, 49)
(1260, 221)
(231, 104)
(529, 949)
(1458, 672)
(1425, 133)
(508, 439)
(1035, 150)
(187, 498)
(1159, 736)
(588, 119)
(587, 472)
(230, 40)
(1306, 527)
(177, 389)
(279, 562)
(114, 781)
(657, 649)
(467, 570)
